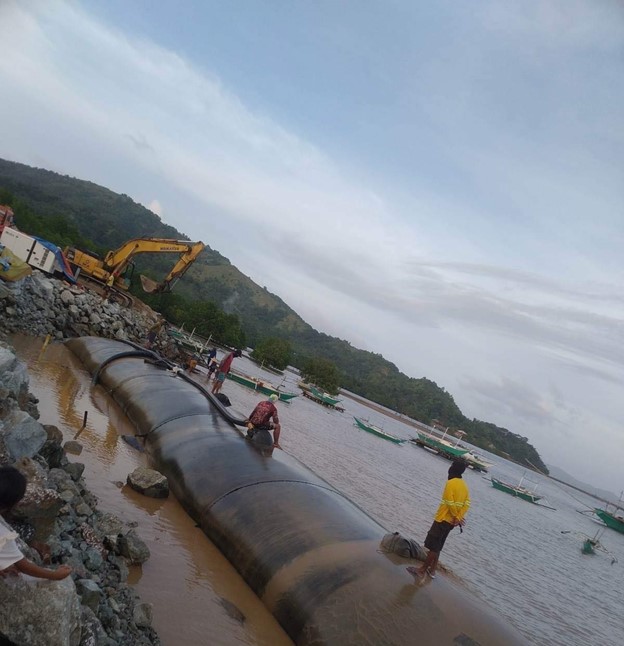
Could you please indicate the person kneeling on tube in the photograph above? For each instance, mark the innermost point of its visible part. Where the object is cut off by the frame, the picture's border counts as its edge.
(264, 418)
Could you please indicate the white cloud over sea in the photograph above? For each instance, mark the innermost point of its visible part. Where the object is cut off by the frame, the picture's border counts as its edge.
(467, 226)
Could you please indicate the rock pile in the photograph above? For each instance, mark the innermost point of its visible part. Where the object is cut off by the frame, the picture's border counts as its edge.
(59, 522)
(39, 305)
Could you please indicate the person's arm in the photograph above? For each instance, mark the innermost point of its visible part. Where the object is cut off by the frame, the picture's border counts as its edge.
(28, 567)
(459, 506)
(451, 503)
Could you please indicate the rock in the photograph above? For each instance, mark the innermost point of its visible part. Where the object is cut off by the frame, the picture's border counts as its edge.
(93, 633)
(121, 566)
(39, 503)
(75, 470)
(149, 482)
(133, 548)
(40, 613)
(42, 286)
(53, 454)
(34, 473)
(67, 298)
(73, 447)
(142, 615)
(5, 292)
(54, 433)
(89, 592)
(109, 524)
(23, 436)
(93, 559)
(83, 509)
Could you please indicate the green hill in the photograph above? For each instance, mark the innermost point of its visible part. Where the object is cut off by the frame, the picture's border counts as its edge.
(109, 219)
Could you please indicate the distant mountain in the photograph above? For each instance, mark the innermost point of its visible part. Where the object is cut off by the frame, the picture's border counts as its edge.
(109, 219)
(560, 474)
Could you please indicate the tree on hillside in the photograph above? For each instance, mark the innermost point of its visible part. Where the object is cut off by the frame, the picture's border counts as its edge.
(323, 373)
(274, 352)
(204, 317)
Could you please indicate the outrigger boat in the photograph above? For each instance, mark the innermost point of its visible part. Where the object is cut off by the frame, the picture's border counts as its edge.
(613, 519)
(592, 543)
(516, 490)
(476, 461)
(325, 399)
(439, 445)
(260, 386)
(473, 460)
(375, 430)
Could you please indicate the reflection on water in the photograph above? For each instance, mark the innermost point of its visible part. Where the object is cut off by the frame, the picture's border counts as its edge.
(512, 554)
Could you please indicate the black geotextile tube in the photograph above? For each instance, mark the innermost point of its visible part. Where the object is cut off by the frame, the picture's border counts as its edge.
(308, 552)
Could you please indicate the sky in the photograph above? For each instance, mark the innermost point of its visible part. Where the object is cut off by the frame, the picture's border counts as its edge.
(441, 183)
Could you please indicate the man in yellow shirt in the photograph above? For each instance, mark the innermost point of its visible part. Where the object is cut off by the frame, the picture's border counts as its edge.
(451, 512)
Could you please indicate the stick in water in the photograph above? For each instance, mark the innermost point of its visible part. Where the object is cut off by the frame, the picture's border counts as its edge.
(84, 424)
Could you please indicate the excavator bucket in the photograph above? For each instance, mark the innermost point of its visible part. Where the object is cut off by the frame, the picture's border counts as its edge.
(150, 286)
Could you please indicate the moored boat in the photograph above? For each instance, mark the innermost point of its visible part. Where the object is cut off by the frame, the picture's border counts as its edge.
(326, 398)
(260, 386)
(613, 519)
(516, 490)
(312, 393)
(375, 430)
(476, 462)
(439, 445)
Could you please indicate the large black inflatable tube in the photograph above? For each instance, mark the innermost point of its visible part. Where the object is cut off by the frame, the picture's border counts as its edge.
(311, 554)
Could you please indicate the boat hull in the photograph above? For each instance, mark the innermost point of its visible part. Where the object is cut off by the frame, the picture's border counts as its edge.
(451, 452)
(261, 387)
(377, 431)
(324, 397)
(515, 491)
(610, 520)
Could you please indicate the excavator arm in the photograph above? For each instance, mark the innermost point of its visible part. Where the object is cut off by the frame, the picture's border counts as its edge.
(179, 269)
(116, 262)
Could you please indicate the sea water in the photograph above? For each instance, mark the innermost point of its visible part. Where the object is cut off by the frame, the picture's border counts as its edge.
(523, 560)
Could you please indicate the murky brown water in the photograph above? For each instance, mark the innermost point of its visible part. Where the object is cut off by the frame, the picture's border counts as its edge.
(195, 591)
(512, 555)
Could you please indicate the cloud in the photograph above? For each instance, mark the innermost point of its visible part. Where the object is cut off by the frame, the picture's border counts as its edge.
(486, 232)
(141, 143)
(155, 207)
(511, 398)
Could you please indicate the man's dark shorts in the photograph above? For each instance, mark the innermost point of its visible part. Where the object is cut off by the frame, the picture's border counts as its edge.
(437, 536)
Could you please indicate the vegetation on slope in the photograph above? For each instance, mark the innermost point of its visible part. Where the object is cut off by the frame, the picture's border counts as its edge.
(72, 211)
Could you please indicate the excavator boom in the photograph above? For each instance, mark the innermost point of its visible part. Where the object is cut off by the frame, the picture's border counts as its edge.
(116, 262)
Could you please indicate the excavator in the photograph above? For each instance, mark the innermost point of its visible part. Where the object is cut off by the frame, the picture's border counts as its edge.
(117, 267)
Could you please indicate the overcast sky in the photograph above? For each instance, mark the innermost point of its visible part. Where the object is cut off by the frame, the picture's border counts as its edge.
(438, 182)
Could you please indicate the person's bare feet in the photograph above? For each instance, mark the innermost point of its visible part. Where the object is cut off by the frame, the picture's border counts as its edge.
(277, 446)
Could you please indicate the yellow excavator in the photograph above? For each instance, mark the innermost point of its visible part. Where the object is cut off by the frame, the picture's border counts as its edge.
(117, 267)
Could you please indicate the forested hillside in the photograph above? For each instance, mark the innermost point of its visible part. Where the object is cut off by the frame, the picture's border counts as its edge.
(84, 213)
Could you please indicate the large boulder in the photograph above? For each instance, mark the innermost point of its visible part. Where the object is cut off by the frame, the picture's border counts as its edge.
(149, 482)
(133, 548)
(13, 375)
(38, 612)
(23, 436)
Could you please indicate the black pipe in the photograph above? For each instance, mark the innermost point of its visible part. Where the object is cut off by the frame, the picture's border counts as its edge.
(307, 551)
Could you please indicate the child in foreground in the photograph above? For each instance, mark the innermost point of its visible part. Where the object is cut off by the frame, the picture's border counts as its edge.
(12, 561)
